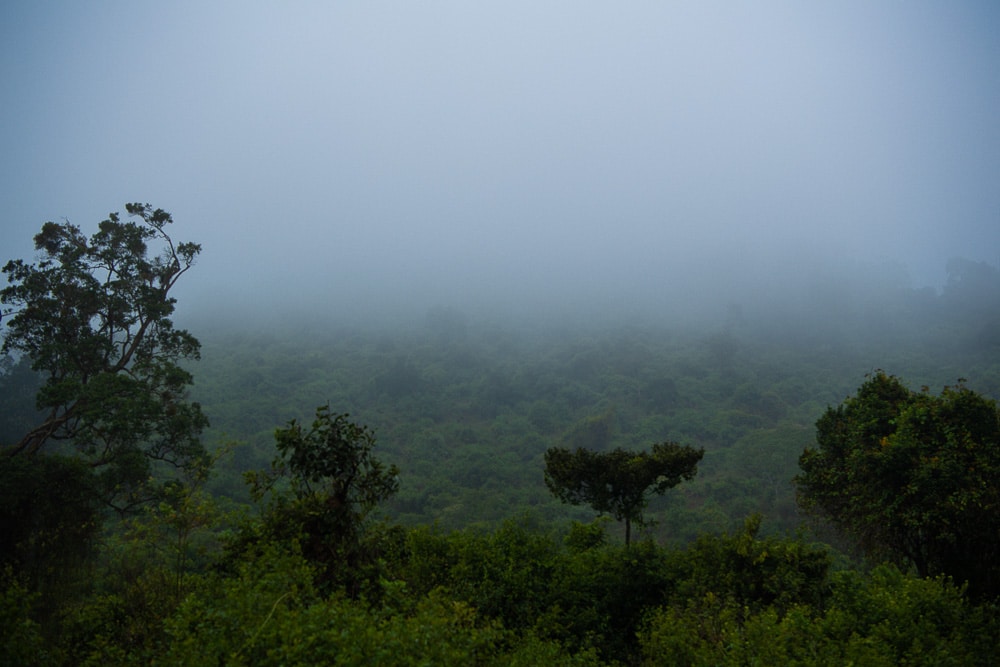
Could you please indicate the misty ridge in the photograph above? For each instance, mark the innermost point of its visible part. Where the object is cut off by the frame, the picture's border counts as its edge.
(797, 301)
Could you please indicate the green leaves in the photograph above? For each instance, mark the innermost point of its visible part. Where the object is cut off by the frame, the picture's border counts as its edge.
(909, 476)
(333, 457)
(618, 482)
(885, 618)
(93, 317)
(335, 483)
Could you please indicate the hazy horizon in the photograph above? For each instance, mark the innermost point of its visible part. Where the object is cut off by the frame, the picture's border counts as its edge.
(552, 159)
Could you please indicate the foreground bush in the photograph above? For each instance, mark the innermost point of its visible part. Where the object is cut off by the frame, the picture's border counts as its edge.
(886, 619)
(271, 615)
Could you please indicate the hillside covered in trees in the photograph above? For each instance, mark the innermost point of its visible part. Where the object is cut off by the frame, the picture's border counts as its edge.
(467, 407)
(325, 493)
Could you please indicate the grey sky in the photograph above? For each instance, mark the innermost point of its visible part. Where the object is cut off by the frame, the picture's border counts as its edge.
(562, 152)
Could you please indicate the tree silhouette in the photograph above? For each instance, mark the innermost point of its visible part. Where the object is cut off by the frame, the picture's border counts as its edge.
(93, 316)
(619, 482)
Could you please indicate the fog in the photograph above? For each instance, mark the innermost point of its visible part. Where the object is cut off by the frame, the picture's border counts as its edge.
(566, 160)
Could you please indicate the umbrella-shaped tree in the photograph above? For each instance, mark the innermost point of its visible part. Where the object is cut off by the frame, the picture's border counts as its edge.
(619, 482)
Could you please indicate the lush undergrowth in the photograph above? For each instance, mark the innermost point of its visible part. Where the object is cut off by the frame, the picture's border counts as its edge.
(516, 595)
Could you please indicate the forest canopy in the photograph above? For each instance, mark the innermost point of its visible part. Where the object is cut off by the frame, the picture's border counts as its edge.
(421, 528)
(910, 476)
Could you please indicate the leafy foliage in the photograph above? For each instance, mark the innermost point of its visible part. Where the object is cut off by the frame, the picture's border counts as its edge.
(911, 476)
(21, 639)
(270, 614)
(619, 481)
(597, 597)
(335, 483)
(94, 318)
(887, 618)
(753, 573)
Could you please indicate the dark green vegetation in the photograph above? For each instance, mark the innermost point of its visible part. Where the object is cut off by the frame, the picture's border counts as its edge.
(93, 319)
(912, 477)
(431, 538)
(618, 482)
(334, 482)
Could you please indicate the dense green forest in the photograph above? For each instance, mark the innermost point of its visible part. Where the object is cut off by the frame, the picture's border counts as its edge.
(369, 495)
(468, 408)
